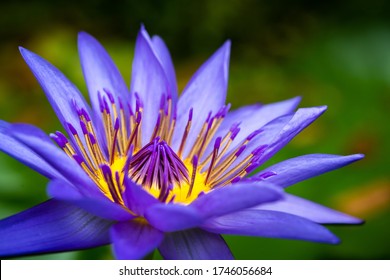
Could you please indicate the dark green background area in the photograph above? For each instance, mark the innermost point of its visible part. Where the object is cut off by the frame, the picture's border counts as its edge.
(334, 53)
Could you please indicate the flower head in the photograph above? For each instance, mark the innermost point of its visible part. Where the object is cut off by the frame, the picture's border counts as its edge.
(145, 168)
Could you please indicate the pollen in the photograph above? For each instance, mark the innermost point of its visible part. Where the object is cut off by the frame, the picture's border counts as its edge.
(109, 148)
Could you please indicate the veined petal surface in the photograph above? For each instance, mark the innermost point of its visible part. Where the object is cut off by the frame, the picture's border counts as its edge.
(238, 196)
(41, 144)
(102, 77)
(309, 210)
(277, 133)
(100, 72)
(294, 170)
(61, 93)
(134, 239)
(194, 244)
(205, 93)
(24, 154)
(52, 226)
(254, 117)
(271, 224)
(173, 217)
(165, 59)
(149, 82)
(137, 199)
(100, 205)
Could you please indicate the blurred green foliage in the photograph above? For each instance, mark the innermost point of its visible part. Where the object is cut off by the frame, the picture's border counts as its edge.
(330, 52)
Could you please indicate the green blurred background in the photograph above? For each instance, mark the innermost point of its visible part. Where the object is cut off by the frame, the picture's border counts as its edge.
(329, 52)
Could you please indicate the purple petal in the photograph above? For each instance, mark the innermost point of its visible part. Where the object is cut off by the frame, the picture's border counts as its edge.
(24, 154)
(60, 92)
(205, 92)
(304, 167)
(41, 144)
(277, 133)
(309, 210)
(99, 70)
(52, 226)
(272, 224)
(194, 244)
(254, 117)
(134, 239)
(100, 73)
(100, 206)
(148, 80)
(137, 199)
(173, 217)
(301, 119)
(165, 59)
(232, 198)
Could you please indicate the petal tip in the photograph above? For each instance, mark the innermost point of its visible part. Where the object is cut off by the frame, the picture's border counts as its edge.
(357, 221)
(296, 100)
(25, 53)
(335, 240)
(355, 157)
(226, 48)
(322, 108)
(227, 44)
(359, 156)
(83, 35)
(84, 39)
(144, 33)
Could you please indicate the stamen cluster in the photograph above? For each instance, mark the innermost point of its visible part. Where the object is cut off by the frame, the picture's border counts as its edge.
(119, 152)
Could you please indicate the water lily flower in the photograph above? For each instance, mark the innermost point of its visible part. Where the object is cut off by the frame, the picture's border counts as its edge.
(144, 168)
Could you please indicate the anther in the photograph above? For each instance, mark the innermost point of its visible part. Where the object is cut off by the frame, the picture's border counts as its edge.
(109, 95)
(266, 175)
(72, 129)
(60, 139)
(194, 168)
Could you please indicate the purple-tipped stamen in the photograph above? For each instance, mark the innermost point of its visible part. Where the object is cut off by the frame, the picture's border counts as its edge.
(83, 128)
(253, 134)
(266, 175)
(109, 95)
(78, 159)
(240, 150)
(60, 139)
(72, 129)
